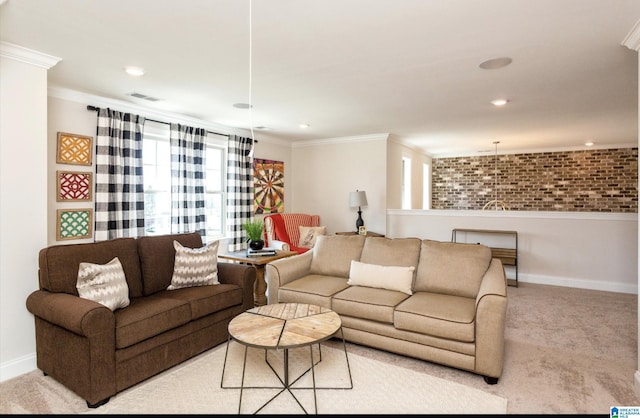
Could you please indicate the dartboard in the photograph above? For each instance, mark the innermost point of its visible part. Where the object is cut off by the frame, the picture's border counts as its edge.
(268, 184)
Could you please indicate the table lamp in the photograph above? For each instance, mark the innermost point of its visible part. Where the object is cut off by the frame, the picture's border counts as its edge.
(356, 200)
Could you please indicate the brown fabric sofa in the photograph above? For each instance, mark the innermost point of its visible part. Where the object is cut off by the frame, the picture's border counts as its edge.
(455, 314)
(97, 352)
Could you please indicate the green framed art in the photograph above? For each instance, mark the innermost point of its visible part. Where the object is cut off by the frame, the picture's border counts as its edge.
(74, 224)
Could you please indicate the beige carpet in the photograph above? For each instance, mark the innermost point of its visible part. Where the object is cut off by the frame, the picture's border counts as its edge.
(568, 351)
(194, 388)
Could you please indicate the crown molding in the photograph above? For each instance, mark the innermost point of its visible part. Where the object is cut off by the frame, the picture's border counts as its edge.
(632, 40)
(28, 56)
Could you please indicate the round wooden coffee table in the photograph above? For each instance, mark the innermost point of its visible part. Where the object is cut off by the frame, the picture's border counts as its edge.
(283, 326)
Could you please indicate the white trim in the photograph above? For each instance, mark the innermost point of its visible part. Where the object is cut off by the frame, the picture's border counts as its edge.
(535, 150)
(578, 283)
(26, 55)
(595, 216)
(349, 139)
(17, 367)
(632, 40)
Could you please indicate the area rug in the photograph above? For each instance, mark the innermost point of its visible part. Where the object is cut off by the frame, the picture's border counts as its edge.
(194, 387)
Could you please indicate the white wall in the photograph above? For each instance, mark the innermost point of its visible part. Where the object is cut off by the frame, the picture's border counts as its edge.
(23, 199)
(585, 250)
(324, 172)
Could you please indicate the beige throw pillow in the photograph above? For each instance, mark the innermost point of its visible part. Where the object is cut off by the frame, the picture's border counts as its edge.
(104, 283)
(396, 278)
(195, 266)
(308, 235)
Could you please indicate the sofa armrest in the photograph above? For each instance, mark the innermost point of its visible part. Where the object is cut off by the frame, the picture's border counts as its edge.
(285, 270)
(80, 316)
(279, 245)
(491, 312)
(242, 275)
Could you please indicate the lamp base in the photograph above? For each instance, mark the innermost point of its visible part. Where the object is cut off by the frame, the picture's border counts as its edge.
(359, 221)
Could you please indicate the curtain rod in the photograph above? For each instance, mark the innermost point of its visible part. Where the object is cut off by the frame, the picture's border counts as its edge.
(95, 109)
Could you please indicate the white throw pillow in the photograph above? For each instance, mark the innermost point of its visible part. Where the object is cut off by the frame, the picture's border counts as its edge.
(104, 283)
(396, 278)
(308, 235)
(195, 266)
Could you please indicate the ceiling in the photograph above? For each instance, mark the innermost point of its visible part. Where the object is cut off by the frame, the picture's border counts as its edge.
(348, 68)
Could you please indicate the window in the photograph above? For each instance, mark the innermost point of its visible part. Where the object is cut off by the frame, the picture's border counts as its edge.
(406, 183)
(157, 181)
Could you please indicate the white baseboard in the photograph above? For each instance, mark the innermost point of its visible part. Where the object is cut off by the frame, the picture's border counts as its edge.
(606, 286)
(16, 367)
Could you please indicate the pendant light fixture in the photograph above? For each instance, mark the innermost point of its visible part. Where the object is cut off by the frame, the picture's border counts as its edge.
(496, 204)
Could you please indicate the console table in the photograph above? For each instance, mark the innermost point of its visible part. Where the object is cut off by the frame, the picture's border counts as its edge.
(508, 256)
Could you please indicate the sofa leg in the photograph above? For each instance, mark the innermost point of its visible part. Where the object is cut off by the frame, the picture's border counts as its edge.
(97, 404)
(490, 380)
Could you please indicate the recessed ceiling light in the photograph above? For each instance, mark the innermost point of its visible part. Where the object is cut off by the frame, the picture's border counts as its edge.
(304, 125)
(499, 102)
(589, 143)
(242, 105)
(262, 128)
(495, 63)
(134, 71)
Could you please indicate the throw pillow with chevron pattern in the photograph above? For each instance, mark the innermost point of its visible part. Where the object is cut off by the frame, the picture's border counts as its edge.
(195, 266)
(104, 283)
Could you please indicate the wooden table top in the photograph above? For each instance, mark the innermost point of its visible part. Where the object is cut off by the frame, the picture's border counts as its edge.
(284, 325)
(242, 257)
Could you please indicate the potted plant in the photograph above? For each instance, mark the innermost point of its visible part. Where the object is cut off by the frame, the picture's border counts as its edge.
(254, 229)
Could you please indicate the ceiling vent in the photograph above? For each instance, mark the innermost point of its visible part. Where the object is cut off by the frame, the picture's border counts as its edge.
(144, 97)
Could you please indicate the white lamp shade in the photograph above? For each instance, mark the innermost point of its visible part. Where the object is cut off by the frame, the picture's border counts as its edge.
(357, 198)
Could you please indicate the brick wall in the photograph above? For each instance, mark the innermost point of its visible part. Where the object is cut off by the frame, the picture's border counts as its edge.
(571, 181)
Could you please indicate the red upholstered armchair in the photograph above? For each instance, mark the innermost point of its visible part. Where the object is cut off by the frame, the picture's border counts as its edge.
(282, 230)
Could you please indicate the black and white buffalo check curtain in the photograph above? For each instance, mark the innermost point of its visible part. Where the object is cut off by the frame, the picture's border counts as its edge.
(239, 189)
(187, 179)
(119, 195)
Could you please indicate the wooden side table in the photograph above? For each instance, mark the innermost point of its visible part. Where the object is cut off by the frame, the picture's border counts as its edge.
(369, 233)
(259, 263)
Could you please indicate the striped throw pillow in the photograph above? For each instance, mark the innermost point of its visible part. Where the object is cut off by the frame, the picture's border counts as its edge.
(195, 266)
(104, 283)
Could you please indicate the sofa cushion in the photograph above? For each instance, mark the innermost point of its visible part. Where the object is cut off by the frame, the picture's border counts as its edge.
(367, 303)
(195, 266)
(313, 289)
(157, 256)
(398, 278)
(59, 264)
(104, 283)
(452, 268)
(205, 300)
(391, 252)
(149, 316)
(309, 234)
(444, 316)
(332, 254)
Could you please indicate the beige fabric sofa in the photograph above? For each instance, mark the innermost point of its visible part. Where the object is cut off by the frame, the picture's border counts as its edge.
(455, 315)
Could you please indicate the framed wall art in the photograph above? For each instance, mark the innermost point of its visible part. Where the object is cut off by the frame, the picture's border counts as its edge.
(268, 186)
(74, 186)
(74, 149)
(74, 223)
